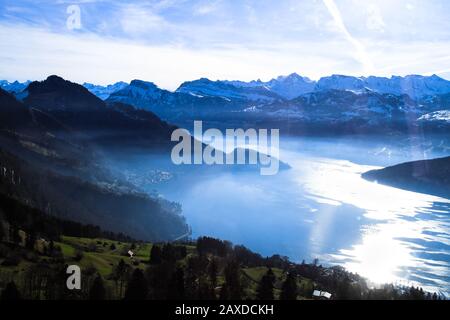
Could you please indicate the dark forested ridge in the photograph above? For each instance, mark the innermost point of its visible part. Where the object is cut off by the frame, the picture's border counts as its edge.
(50, 159)
(71, 198)
(93, 119)
(426, 176)
(15, 216)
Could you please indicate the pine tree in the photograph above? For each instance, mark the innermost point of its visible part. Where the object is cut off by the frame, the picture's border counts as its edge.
(224, 294)
(212, 272)
(97, 291)
(14, 234)
(205, 290)
(176, 285)
(120, 275)
(232, 289)
(137, 288)
(2, 232)
(51, 247)
(30, 239)
(155, 255)
(10, 292)
(289, 289)
(159, 277)
(265, 288)
(168, 253)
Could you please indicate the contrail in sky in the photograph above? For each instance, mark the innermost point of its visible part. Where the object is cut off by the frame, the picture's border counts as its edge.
(360, 54)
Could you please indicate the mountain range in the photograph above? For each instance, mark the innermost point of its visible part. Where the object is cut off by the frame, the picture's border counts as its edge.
(103, 92)
(298, 105)
(93, 119)
(294, 85)
(52, 141)
(284, 87)
(13, 87)
(336, 104)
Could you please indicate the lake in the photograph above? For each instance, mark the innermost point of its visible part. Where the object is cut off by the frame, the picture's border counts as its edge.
(322, 208)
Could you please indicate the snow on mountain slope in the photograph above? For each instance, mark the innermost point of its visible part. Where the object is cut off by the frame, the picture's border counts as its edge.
(139, 94)
(179, 104)
(206, 87)
(291, 86)
(103, 92)
(280, 88)
(415, 86)
(288, 87)
(13, 87)
(440, 115)
(340, 82)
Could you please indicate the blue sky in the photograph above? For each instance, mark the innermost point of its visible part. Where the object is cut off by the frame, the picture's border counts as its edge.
(171, 41)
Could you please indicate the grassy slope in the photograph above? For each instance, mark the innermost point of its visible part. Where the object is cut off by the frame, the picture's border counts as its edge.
(103, 259)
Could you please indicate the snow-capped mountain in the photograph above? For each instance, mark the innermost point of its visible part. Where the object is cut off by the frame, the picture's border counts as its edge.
(415, 86)
(280, 88)
(340, 102)
(277, 89)
(141, 94)
(294, 85)
(13, 87)
(103, 92)
(347, 112)
(440, 115)
(344, 102)
(288, 87)
(291, 86)
(227, 90)
(340, 82)
(167, 104)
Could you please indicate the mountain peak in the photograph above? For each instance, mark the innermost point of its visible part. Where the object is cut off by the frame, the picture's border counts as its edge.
(294, 75)
(52, 83)
(143, 84)
(291, 86)
(435, 76)
(54, 77)
(14, 87)
(58, 93)
(103, 92)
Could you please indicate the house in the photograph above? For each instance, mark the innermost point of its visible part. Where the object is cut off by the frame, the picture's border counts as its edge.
(323, 295)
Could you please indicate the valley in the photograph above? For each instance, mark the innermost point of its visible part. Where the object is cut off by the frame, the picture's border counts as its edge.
(107, 163)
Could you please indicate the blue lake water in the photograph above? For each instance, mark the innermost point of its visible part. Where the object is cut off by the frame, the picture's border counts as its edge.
(322, 208)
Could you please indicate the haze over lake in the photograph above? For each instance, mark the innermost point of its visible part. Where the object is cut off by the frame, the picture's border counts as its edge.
(321, 208)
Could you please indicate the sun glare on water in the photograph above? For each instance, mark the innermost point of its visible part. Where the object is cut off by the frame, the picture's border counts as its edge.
(388, 249)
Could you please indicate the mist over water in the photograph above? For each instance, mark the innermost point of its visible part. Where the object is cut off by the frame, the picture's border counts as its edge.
(321, 208)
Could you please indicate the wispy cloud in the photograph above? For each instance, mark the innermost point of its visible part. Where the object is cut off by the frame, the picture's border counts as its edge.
(169, 41)
(141, 20)
(374, 18)
(360, 51)
(207, 7)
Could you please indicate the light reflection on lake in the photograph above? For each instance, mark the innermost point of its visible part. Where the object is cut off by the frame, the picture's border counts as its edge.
(407, 238)
(322, 208)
